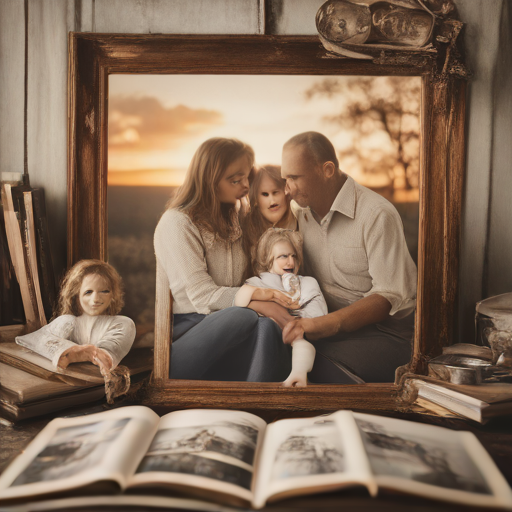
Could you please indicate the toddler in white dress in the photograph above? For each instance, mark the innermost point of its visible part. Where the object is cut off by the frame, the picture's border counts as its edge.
(278, 258)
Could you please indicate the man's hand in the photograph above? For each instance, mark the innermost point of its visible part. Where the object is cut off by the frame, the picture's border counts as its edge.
(81, 353)
(296, 328)
(272, 310)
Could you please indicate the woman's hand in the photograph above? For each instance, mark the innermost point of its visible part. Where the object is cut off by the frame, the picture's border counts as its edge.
(270, 295)
(81, 353)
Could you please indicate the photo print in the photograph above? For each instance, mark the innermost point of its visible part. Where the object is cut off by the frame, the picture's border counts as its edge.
(156, 123)
(223, 450)
(433, 461)
(311, 450)
(72, 450)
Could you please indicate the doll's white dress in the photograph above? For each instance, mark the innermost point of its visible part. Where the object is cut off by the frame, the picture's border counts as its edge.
(114, 334)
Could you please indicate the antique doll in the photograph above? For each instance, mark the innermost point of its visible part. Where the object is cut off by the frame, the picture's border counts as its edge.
(86, 327)
(269, 207)
(277, 261)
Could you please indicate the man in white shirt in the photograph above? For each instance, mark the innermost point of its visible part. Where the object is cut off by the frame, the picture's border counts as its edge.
(355, 247)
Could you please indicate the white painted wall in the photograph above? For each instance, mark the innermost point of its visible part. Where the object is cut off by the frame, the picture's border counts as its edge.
(487, 210)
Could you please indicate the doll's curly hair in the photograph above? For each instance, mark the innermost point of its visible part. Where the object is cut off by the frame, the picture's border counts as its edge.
(69, 300)
(264, 260)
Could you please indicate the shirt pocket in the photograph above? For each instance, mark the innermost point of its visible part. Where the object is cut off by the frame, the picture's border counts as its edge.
(350, 262)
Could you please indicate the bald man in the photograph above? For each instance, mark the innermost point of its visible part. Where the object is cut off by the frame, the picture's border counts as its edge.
(354, 246)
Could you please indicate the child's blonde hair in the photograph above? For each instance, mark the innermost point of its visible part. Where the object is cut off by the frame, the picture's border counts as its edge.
(264, 259)
(69, 300)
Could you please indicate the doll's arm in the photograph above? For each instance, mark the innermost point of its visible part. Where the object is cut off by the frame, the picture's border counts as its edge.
(52, 340)
(81, 353)
(117, 339)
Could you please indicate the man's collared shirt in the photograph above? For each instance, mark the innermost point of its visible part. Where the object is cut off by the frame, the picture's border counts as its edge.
(358, 249)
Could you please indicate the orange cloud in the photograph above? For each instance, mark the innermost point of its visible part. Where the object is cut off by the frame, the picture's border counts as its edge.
(143, 123)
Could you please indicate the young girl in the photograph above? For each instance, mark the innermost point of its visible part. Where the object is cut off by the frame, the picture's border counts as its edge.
(269, 207)
(277, 261)
(86, 327)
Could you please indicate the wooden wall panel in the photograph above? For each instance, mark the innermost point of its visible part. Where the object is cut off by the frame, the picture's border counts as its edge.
(177, 16)
(499, 269)
(84, 15)
(292, 17)
(48, 26)
(12, 84)
(482, 19)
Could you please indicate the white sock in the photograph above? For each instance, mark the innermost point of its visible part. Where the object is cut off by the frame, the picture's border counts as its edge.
(303, 357)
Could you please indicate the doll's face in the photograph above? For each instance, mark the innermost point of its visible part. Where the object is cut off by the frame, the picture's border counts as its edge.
(285, 258)
(271, 200)
(95, 295)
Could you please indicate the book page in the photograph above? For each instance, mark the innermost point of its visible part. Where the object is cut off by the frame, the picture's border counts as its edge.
(431, 461)
(212, 450)
(311, 455)
(70, 453)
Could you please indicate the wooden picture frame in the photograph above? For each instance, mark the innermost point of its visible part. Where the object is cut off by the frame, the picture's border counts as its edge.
(92, 57)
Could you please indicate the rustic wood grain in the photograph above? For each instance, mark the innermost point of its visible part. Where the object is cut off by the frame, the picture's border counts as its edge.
(48, 26)
(176, 16)
(292, 16)
(442, 161)
(163, 327)
(269, 397)
(94, 56)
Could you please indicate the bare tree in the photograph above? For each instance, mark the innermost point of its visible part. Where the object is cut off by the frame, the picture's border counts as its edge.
(383, 116)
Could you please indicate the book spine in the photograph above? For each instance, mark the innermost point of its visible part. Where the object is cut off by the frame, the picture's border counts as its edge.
(451, 404)
(45, 262)
(16, 249)
(32, 255)
(11, 304)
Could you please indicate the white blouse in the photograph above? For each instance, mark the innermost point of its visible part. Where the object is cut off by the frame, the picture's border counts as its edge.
(203, 271)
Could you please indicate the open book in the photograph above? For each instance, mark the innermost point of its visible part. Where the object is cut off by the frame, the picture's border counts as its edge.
(235, 457)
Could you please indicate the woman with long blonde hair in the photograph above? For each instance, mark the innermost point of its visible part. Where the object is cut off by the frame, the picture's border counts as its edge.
(198, 247)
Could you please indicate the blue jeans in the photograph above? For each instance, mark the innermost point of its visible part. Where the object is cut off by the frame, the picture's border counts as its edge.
(233, 344)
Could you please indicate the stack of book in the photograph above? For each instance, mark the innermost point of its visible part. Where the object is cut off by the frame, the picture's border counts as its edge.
(25, 248)
(476, 402)
(30, 386)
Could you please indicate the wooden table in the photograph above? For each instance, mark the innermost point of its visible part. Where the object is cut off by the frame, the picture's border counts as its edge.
(496, 437)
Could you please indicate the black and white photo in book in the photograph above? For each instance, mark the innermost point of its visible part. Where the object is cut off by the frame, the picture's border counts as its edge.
(71, 451)
(435, 461)
(223, 450)
(310, 450)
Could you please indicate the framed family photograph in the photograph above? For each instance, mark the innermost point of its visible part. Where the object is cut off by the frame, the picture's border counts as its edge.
(140, 105)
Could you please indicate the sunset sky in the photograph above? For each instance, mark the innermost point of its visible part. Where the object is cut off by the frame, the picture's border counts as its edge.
(156, 122)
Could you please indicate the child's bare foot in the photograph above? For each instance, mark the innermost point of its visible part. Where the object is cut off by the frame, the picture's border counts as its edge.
(296, 381)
